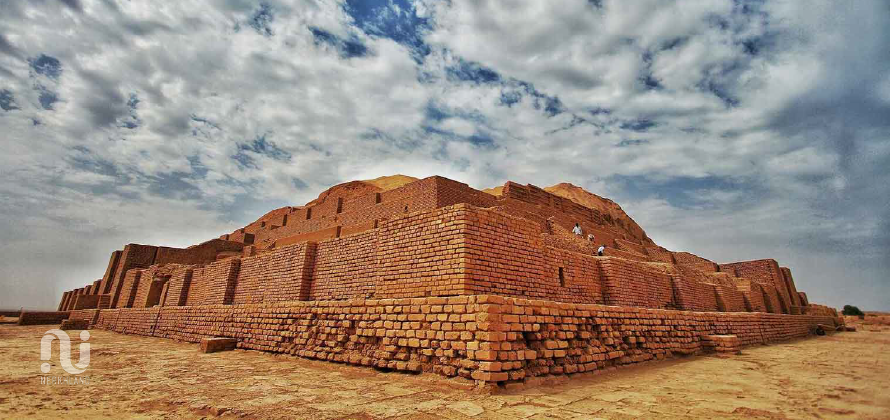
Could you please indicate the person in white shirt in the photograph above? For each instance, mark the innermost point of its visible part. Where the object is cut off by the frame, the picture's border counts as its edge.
(590, 237)
(577, 230)
(601, 250)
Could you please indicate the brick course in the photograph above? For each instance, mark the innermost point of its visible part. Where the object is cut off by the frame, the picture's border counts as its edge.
(447, 272)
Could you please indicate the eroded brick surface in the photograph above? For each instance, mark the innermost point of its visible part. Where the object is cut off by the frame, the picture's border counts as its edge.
(437, 276)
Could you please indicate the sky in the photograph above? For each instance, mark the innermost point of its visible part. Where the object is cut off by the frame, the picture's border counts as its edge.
(734, 130)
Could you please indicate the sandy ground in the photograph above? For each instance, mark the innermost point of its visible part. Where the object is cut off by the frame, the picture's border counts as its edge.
(839, 376)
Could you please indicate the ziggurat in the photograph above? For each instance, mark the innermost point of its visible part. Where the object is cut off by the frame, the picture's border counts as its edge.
(432, 275)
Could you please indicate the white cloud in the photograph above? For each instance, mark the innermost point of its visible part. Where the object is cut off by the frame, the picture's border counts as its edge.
(753, 127)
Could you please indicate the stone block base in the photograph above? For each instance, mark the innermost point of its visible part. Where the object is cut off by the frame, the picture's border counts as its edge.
(74, 324)
(215, 344)
(489, 339)
(726, 344)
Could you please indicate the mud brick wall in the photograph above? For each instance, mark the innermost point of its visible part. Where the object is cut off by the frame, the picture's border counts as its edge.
(504, 255)
(146, 280)
(71, 299)
(129, 289)
(358, 228)
(104, 302)
(630, 246)
(197, 290)
(294, 283)
(355, 211)
(580, 282)
(691, 295)
(487, 338)
(220, 278)
(752, 293)
(771, 299)
(63, 301)
(601, 236)
(137, 321)
(108, 278)
(241, 236)
(90, 316)
(789, 284)
(813, 309)
(612, 252)
(178, 287)
(560, 237)
(729, 299)
(660, 254)
(133, 256)
(345, 268)
(94, 288)
(568, 212)
(803, 298)
(705, 267)
(419, 254)
(539, 220)
(69, 303)
(42, 318)
(688, 258)
(629, 283)
(728, 269)
(199, 254)
(429, 334)
(86, 302)
(538, 338)
(273, 276)
(319, 235)
(765, 272)
(450, 192)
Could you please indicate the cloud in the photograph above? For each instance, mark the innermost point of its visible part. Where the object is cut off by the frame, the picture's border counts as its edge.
(731, 129)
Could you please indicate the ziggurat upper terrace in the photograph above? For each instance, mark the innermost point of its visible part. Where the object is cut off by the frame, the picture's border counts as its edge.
(428, 275)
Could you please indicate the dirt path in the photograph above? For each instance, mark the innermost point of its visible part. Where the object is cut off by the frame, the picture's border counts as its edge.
(840, 376)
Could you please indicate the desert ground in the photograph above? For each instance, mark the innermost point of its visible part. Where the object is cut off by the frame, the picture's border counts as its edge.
(843, 375)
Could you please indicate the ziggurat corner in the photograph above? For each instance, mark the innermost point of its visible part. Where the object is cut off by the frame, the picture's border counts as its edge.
(436, 276)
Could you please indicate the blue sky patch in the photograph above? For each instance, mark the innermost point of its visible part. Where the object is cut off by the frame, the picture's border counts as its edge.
(469, 71)
(7, 100)
(681, 192)
(632, 142)
(47, 98)
(260, 146)
(347, 48)
(393, 19)
(638, 125)
(46, 65)
(261, 20)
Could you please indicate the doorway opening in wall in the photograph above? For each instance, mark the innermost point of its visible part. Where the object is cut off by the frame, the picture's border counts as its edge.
(562, 277)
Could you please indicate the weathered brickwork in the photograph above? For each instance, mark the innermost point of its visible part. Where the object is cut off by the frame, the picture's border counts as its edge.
(87, 317)
(105, 284)
(345, 268)
(629, 283)
(220, 278)
(178, 287)
(487, 338)
(511, 264)
(129, 289)
(274, 276)
(765, 272)
(42, 318)
(436, 276)
(789, 284)
(90, 301)
(692, 295)
(419, 254)
(133, 256)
